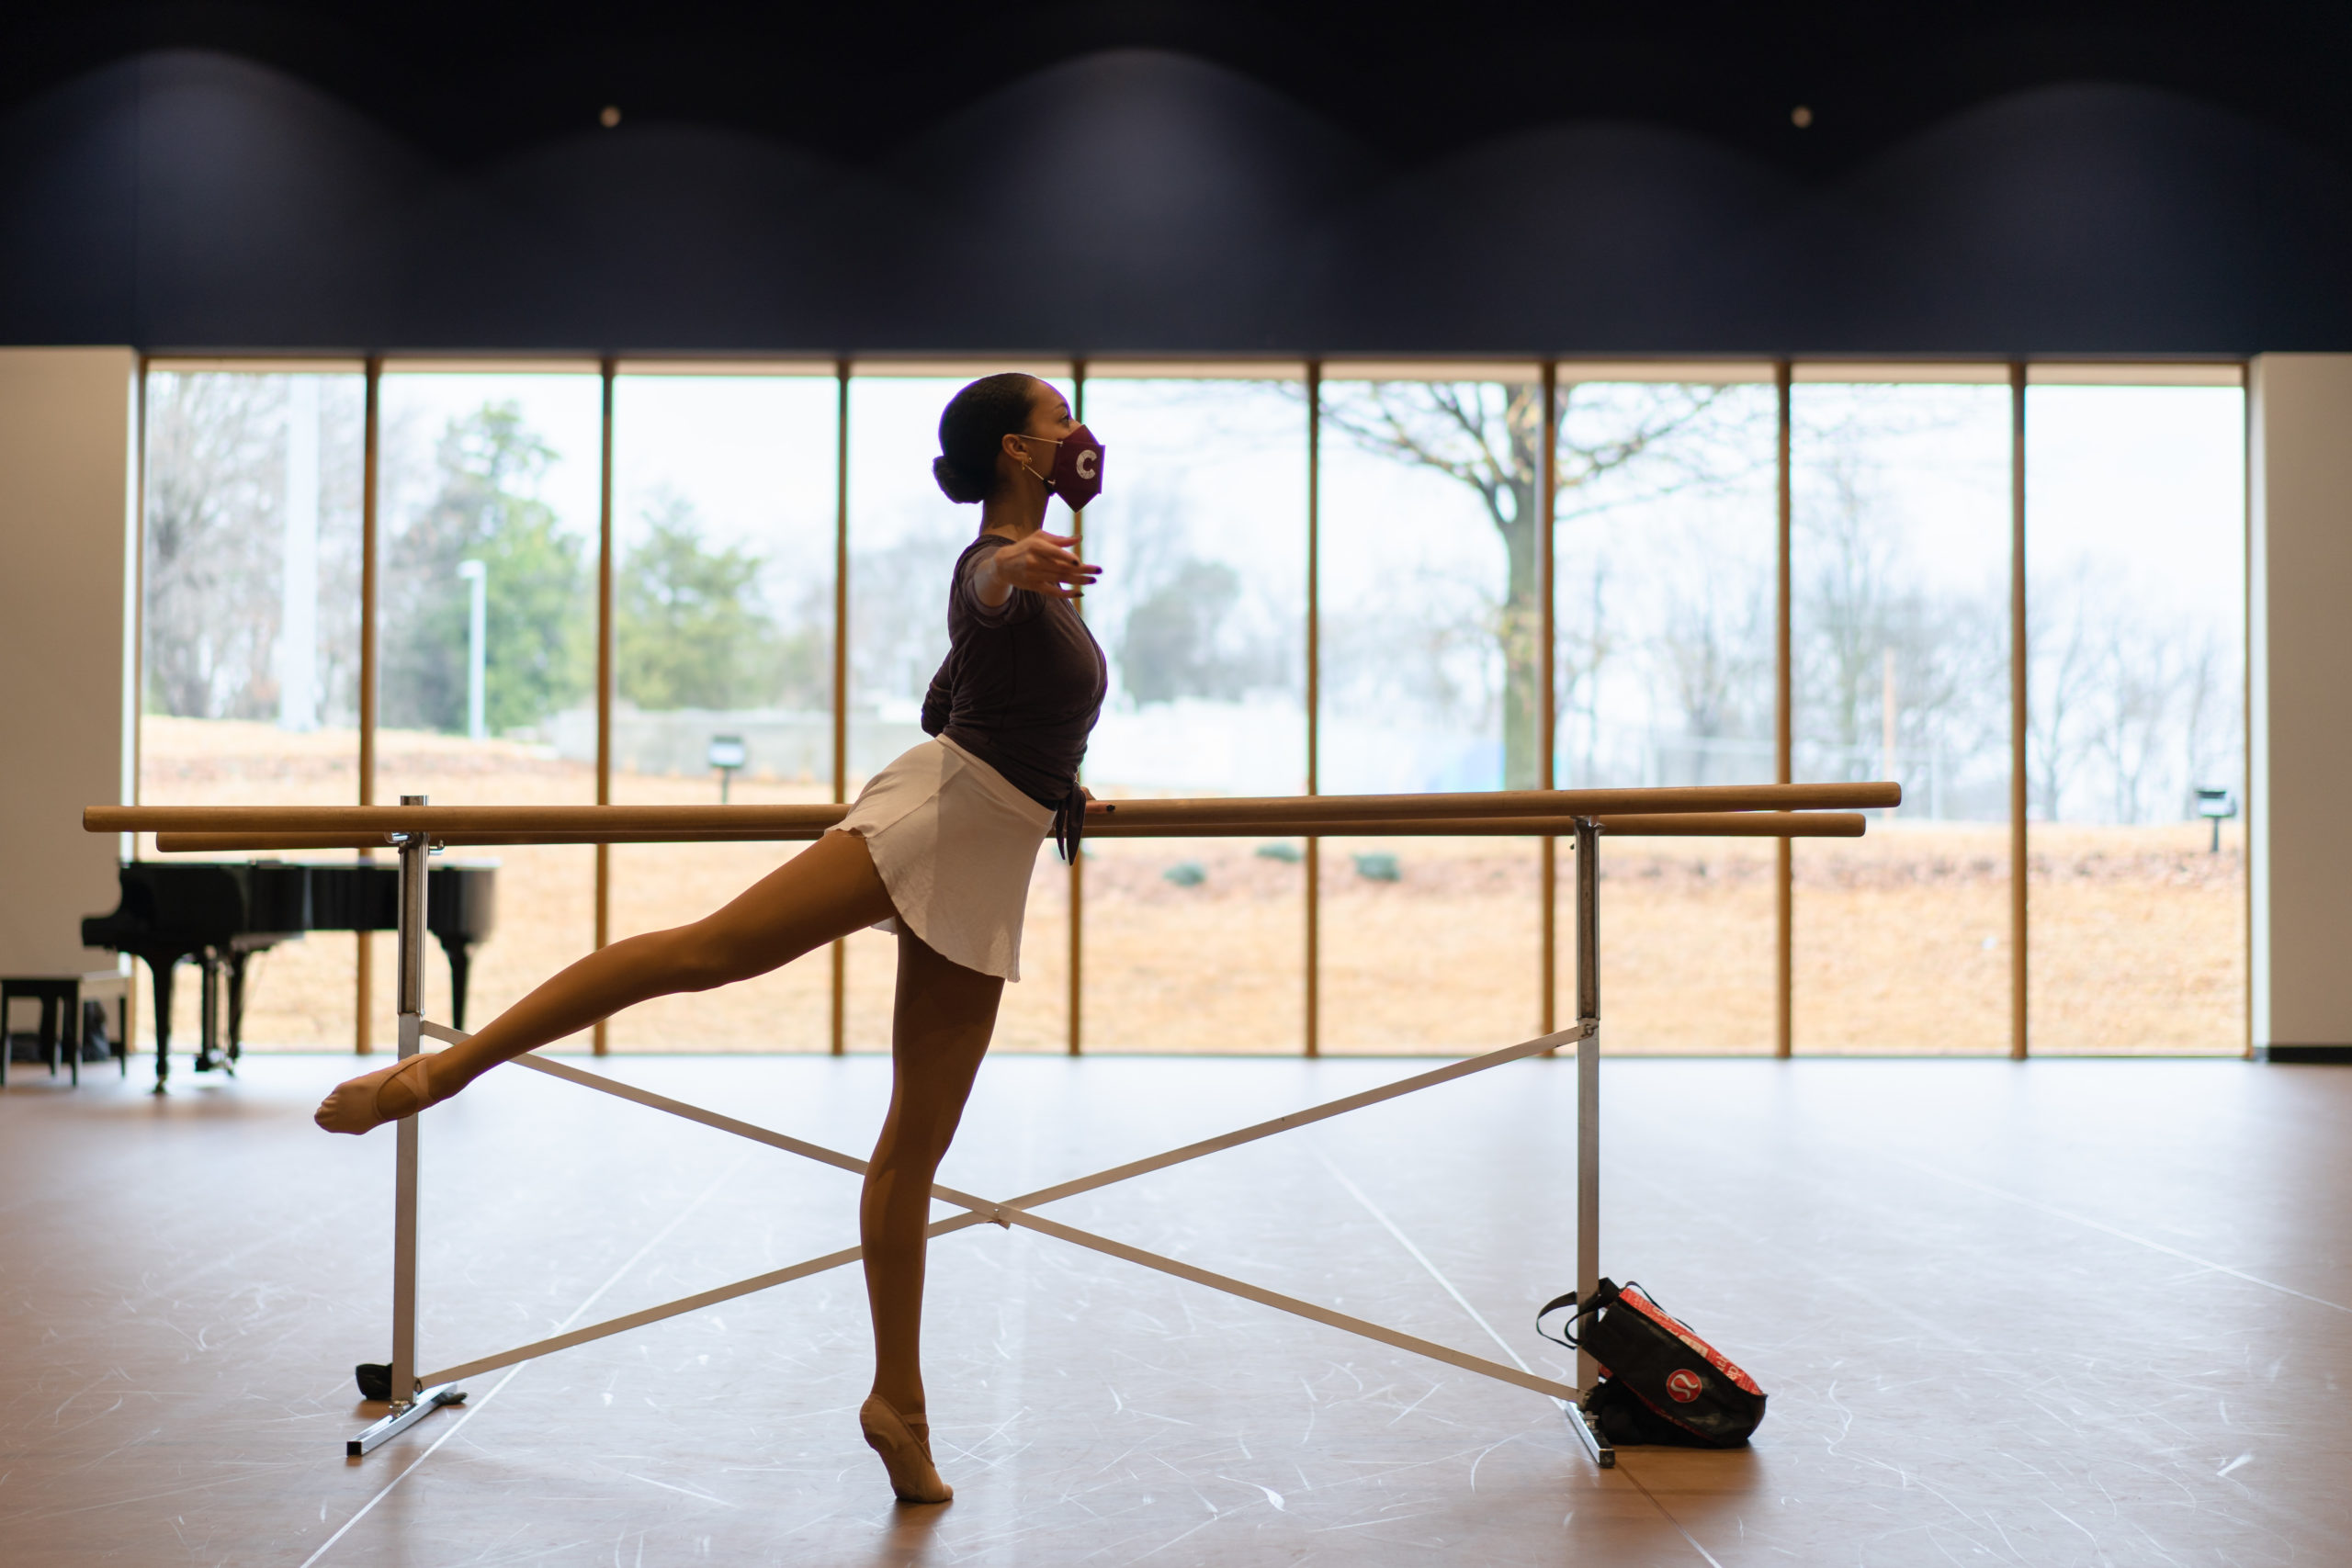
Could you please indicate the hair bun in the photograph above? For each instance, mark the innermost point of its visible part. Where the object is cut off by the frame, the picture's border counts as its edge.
(972, 429)
(955, 485)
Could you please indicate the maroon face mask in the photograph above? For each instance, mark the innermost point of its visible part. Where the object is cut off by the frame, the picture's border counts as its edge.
(1076, 475)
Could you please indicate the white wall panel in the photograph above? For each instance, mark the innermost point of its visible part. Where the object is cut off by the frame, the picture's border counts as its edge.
(2300, 712)
(66, 625)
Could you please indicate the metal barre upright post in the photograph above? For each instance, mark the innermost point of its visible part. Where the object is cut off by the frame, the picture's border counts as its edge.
(1588, 838)
(409, 1404)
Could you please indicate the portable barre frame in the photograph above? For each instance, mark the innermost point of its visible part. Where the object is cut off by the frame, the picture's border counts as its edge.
(415, 828)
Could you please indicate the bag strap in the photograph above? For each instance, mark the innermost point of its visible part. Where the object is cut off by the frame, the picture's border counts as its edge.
(1602, 1297)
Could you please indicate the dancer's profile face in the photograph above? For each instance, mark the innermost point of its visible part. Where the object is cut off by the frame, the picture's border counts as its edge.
(1049, 419)
(1056, 451)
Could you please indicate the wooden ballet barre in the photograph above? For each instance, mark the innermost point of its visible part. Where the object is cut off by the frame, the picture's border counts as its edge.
(1585, 817)
(1684, 825)
(1507, 811)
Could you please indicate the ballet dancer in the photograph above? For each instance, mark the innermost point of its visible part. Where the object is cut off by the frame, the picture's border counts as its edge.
(938, 848)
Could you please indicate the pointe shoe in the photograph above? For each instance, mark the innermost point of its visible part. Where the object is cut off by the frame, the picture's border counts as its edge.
(362, 1104)
(906, 1456)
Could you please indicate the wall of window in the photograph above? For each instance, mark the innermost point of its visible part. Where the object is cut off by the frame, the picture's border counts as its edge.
(1664, 552)
(1201, 611)
(724, 526)
(491, 510)
(1428, 666)
(905, 537)
(1899, 572)
(249, 623)
(1318, 579)
(2135, 759)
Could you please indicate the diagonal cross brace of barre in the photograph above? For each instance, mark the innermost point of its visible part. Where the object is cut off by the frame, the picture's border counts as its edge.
(1017, 1212)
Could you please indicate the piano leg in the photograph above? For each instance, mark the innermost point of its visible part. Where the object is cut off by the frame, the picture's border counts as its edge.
(208, 1055)
(69, 1033)
(460, 955)
(237, 1003)
(160, 965)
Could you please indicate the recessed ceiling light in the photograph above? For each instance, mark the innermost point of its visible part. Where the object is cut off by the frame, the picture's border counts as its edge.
(1799, 117)
(612, 116)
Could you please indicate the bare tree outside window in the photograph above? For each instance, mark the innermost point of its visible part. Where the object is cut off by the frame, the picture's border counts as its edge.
(250, 635)
(1490, 437)
(216, 547)
(1891, 650)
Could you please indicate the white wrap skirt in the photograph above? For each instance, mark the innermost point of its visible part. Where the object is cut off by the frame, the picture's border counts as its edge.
(955, 846)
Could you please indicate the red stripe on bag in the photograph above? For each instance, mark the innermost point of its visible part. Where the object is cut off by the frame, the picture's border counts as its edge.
(1715, 1358)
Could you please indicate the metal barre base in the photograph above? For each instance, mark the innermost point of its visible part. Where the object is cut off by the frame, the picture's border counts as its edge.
(402, 1418)
(1597, 1445)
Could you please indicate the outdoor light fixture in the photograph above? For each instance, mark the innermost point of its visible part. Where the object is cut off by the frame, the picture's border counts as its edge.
(727, 753)
(2217, 806)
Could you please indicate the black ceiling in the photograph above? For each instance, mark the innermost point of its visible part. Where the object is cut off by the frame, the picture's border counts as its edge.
(856, 80)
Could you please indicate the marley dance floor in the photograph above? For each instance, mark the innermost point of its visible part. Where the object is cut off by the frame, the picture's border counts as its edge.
(2067, 1313)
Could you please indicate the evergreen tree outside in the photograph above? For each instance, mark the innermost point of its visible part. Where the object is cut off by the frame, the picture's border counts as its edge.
(540, 645)
(691, 628)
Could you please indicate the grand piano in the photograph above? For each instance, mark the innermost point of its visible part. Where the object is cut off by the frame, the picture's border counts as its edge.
(222, 913)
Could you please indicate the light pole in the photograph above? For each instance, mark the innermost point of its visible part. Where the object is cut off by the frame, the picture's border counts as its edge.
(476, 574)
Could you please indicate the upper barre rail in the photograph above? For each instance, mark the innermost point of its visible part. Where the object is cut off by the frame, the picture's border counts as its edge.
(1680, 825)
(1502, 811)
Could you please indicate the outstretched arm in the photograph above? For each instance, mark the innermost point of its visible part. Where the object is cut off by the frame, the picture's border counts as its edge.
(1039, 562)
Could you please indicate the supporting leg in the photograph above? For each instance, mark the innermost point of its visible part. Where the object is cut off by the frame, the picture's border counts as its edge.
(1588, 1111)
(939, 1033)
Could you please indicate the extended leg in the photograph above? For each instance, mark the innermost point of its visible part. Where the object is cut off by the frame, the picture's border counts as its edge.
(939, 1033)
(827, 891)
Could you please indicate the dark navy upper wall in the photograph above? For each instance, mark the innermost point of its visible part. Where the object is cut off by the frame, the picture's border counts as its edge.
(1147, 201)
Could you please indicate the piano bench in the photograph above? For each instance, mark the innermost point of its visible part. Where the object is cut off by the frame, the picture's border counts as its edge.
(76, 997)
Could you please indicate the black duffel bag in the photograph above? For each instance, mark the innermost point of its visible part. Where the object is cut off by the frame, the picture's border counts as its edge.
(1659, 1382)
